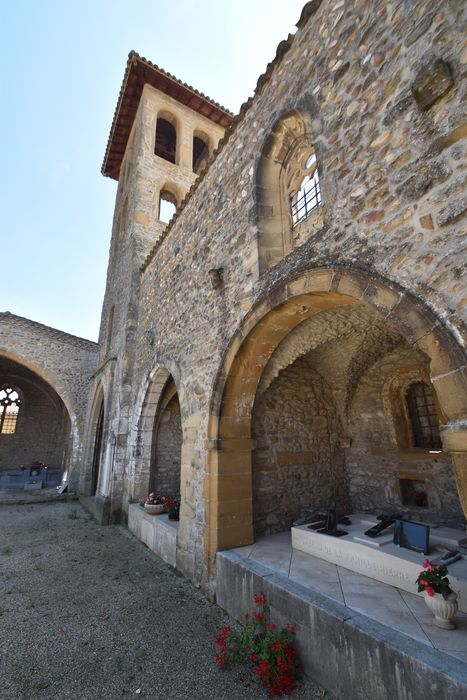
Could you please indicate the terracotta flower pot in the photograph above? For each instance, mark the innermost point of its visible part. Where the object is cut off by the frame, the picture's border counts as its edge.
(154, 508)
(443, 610)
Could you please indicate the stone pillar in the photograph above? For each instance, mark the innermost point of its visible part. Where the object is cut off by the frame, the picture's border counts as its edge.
(185, 146)
(229, 495)
(454, 437)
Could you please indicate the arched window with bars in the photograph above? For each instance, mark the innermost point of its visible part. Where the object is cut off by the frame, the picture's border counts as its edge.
(288, 189)
(305, 199)
(423, 416)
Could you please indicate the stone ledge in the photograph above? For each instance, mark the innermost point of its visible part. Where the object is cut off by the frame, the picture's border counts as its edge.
(350, 654)
(157, 532)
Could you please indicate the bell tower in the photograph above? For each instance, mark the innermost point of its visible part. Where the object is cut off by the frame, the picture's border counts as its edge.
(162, 135)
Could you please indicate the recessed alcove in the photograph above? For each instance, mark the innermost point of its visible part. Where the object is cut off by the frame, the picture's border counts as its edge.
(413, 491)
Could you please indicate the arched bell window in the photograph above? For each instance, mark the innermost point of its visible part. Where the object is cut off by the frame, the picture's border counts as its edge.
(166, 140)
(423, 417)
(10, 402)
(200, 153)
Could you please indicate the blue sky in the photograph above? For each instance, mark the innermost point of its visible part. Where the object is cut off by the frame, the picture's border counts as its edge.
(63, 63)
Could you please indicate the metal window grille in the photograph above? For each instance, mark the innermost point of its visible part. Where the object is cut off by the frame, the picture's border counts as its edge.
(306, 200)
(422, 412)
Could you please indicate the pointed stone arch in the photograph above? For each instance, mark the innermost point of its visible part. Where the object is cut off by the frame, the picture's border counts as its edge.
(150, 395)
(74, 447)
(229, 470)
(97, 438)
(51, 378)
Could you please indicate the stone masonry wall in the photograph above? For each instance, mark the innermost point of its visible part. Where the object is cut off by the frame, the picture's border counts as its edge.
(390, 165)
(67, 359)
(298, 464)
(167, 453)
(65, 362)
(360, 356)
(136, 228)
(375, 462)
(43, 426)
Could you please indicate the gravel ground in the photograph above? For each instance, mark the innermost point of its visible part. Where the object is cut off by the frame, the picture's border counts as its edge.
(89, 613)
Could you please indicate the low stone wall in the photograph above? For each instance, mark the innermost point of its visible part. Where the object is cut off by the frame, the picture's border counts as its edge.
(352, 655)
(156, 531)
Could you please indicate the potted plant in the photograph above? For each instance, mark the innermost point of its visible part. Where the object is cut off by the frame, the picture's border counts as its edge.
(174, 510)
(439, 596)
(154, 504)
(167, 501)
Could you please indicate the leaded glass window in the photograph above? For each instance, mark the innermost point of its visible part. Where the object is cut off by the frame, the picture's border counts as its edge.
(9, 410)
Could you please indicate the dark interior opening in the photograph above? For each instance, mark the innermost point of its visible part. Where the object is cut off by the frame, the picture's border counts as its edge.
(166, 140)
(413, 493)
(200, 154)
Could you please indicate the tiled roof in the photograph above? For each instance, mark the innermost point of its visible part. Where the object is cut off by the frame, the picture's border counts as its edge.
(139, 72)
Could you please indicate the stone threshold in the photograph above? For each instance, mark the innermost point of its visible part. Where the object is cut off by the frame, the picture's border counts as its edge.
(24, 498)
(347, 652)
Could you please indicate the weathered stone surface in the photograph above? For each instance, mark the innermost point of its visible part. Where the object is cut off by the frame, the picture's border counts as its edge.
(432, 81)
(348, 653)
(424, 176)
(420, 28)
(453, 211)
(389, 174)
(397, 110)
(52, 369)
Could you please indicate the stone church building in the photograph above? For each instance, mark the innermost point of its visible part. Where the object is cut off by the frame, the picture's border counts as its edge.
(295, 336)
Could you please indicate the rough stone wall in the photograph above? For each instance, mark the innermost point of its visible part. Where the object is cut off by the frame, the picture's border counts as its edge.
(68, 358)
(43, 425)
(375, 463)
(136, 227)
(167, 438)
(298, 464)
(390, 167)
(64, 362)
(359, 354)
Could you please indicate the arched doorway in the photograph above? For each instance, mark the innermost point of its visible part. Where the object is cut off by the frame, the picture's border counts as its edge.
(167, 438)
(97, 451)
(35, 431)
(406, 333)
(156, 438)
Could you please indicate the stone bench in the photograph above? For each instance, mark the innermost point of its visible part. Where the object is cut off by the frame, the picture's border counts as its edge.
(157, 532)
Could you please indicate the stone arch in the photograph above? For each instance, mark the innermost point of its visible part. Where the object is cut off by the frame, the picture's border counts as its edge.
(169, 198)
(51, 379)
(141, 435)
(288, 158)
(166, 140)
(74, 449)
(92, 472)
(35, 428)
(394, 397)
(167, 439)
(202, 148)
(230, 502)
